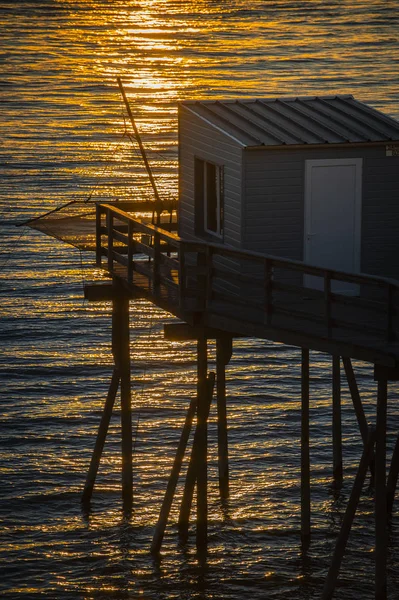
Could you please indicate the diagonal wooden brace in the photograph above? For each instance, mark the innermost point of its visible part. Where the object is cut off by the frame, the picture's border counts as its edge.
(173, 479)
(191, 476)
(101, 435)
(357, 405)
(343, 536)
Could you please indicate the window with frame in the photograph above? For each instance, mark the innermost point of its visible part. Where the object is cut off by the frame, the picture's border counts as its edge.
(209, 197)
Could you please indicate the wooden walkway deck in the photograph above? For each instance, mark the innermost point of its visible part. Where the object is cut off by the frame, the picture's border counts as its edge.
(251, 294)
(222, 293)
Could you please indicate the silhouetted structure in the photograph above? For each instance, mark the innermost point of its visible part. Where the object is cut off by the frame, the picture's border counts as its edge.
(211, 278)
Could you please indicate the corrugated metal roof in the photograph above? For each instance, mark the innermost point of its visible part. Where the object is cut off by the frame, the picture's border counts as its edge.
(297, 121)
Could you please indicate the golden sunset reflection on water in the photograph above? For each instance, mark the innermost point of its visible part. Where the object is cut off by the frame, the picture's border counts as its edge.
(62, 140)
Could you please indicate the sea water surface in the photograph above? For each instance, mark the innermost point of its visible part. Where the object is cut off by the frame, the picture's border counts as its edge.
(62, 138)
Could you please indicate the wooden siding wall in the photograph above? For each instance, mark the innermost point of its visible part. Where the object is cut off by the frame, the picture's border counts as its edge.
(199, 139)
(380, 240)
(273, 219)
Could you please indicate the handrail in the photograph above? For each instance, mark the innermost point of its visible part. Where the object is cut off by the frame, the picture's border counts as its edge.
(303, 267)
(259, 256)
(144, 227)
(196, 270)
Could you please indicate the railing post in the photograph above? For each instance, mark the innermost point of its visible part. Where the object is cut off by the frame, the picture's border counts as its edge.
(157, 264)
(182, 275)
(208, 283)
(201, 278)
(99, 212)
(130, 254)
(327, 300)
(268, 290)
(110, 226)
(390, 312)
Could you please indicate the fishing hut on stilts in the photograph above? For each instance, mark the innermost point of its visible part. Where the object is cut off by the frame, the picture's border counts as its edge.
(287, 229)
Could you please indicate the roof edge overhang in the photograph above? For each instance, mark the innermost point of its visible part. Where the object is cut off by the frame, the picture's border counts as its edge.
(327, 145)
(213, 125)
(265, 98)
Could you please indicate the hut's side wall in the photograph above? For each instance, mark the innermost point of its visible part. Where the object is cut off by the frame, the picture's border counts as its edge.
(198, 139)
(273, 219)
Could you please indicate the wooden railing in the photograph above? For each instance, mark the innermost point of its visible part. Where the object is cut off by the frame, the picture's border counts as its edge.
(367, 306)
(244, 285)
(138, 246)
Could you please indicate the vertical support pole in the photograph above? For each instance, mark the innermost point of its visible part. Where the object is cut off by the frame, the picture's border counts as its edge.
(192, 471)
(336, 421)
(305, 459)
(100, 440)
(223, 354)
(120, 345)
(202, 443)
(380, 493)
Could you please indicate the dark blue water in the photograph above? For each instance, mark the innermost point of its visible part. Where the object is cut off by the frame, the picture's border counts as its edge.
(62, 139)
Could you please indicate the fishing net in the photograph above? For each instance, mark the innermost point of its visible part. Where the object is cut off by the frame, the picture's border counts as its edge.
(75, 222)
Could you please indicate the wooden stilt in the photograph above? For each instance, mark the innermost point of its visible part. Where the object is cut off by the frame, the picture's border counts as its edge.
(305, 460)
(380, 493)
(336, 427)
(340, 546)
(191, 477)
(202, 446)
(188, 492)
(223, 355)
(393, 477)
(120, 345)
(174, 476)
(100, 440)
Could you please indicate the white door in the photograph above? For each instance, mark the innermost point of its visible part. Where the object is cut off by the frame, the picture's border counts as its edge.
(332, 218)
